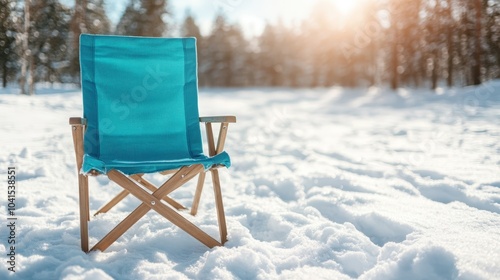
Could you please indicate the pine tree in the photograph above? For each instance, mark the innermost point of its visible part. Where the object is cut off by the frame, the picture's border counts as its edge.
(26, 57)
(238, 50)
(7, 40)
(478, 52)
(48, 39)
(89, 16)
(96, 20)
(143, 18)
(471, 40)
(405, 42)
(372, 52)
(434, 40)
(218, 50)
(451, 39)
(272, 54)
(189, 28)
(320, 52)
(293, 56)
(492, 36)
(151, 22)
(129, 22)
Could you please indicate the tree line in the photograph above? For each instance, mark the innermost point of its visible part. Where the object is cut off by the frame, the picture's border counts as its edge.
(395, 42)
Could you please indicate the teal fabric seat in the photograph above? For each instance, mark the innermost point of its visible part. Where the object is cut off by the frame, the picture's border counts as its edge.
(140, 99)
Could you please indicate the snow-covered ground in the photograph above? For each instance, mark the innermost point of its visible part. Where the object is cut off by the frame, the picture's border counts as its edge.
(325, 184)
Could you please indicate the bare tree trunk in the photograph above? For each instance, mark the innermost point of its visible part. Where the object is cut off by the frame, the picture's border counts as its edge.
(449, 41)
(372, 63)
(434, 74)
(449, 79)
(476, 68)
(394, 44)
(24, 50)
(31, 77)
(4, 75)
(78, 26)
(394, 62)
(82, 20)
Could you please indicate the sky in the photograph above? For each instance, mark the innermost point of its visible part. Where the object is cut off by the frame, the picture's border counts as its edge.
(251, 15)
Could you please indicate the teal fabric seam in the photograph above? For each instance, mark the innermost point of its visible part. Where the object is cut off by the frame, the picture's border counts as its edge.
(97, 97)
(186, 88)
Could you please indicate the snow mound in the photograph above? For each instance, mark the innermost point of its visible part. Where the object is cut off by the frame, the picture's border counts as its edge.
(414, 263)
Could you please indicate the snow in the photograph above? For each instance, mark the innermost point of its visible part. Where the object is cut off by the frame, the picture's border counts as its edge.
(328, 183)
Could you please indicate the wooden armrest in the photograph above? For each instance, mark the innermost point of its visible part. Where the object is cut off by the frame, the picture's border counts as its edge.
(218, 119)
(224, 123)
(77, 120)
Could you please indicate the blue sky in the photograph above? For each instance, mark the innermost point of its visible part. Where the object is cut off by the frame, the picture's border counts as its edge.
(251, 15)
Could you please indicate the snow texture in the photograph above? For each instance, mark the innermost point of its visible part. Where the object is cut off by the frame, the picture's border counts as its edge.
(326, 184)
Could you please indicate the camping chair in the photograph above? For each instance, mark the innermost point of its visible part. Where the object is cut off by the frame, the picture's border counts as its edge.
(140, 115)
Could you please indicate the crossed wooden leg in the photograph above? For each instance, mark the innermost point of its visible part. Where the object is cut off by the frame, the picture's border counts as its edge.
(119, 197)
(153, 201)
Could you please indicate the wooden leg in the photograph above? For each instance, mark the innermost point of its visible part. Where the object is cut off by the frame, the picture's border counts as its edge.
(210, 139)
(153, 188)
(197, 194)
(222, 138)
(87, 197)
(124, 194)
(84, 211)
(112, 203)
(83, 183)
(152, 201)
(219, 205)
(121, 228)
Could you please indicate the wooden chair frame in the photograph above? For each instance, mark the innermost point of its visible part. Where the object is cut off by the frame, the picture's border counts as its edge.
(136, 185)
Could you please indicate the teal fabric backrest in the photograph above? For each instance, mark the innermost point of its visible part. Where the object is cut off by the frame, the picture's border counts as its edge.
(140, 98)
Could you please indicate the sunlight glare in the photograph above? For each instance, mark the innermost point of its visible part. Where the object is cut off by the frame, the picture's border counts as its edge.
(345, 6)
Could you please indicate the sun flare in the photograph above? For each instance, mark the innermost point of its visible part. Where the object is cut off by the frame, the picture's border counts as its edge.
(345, 6)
